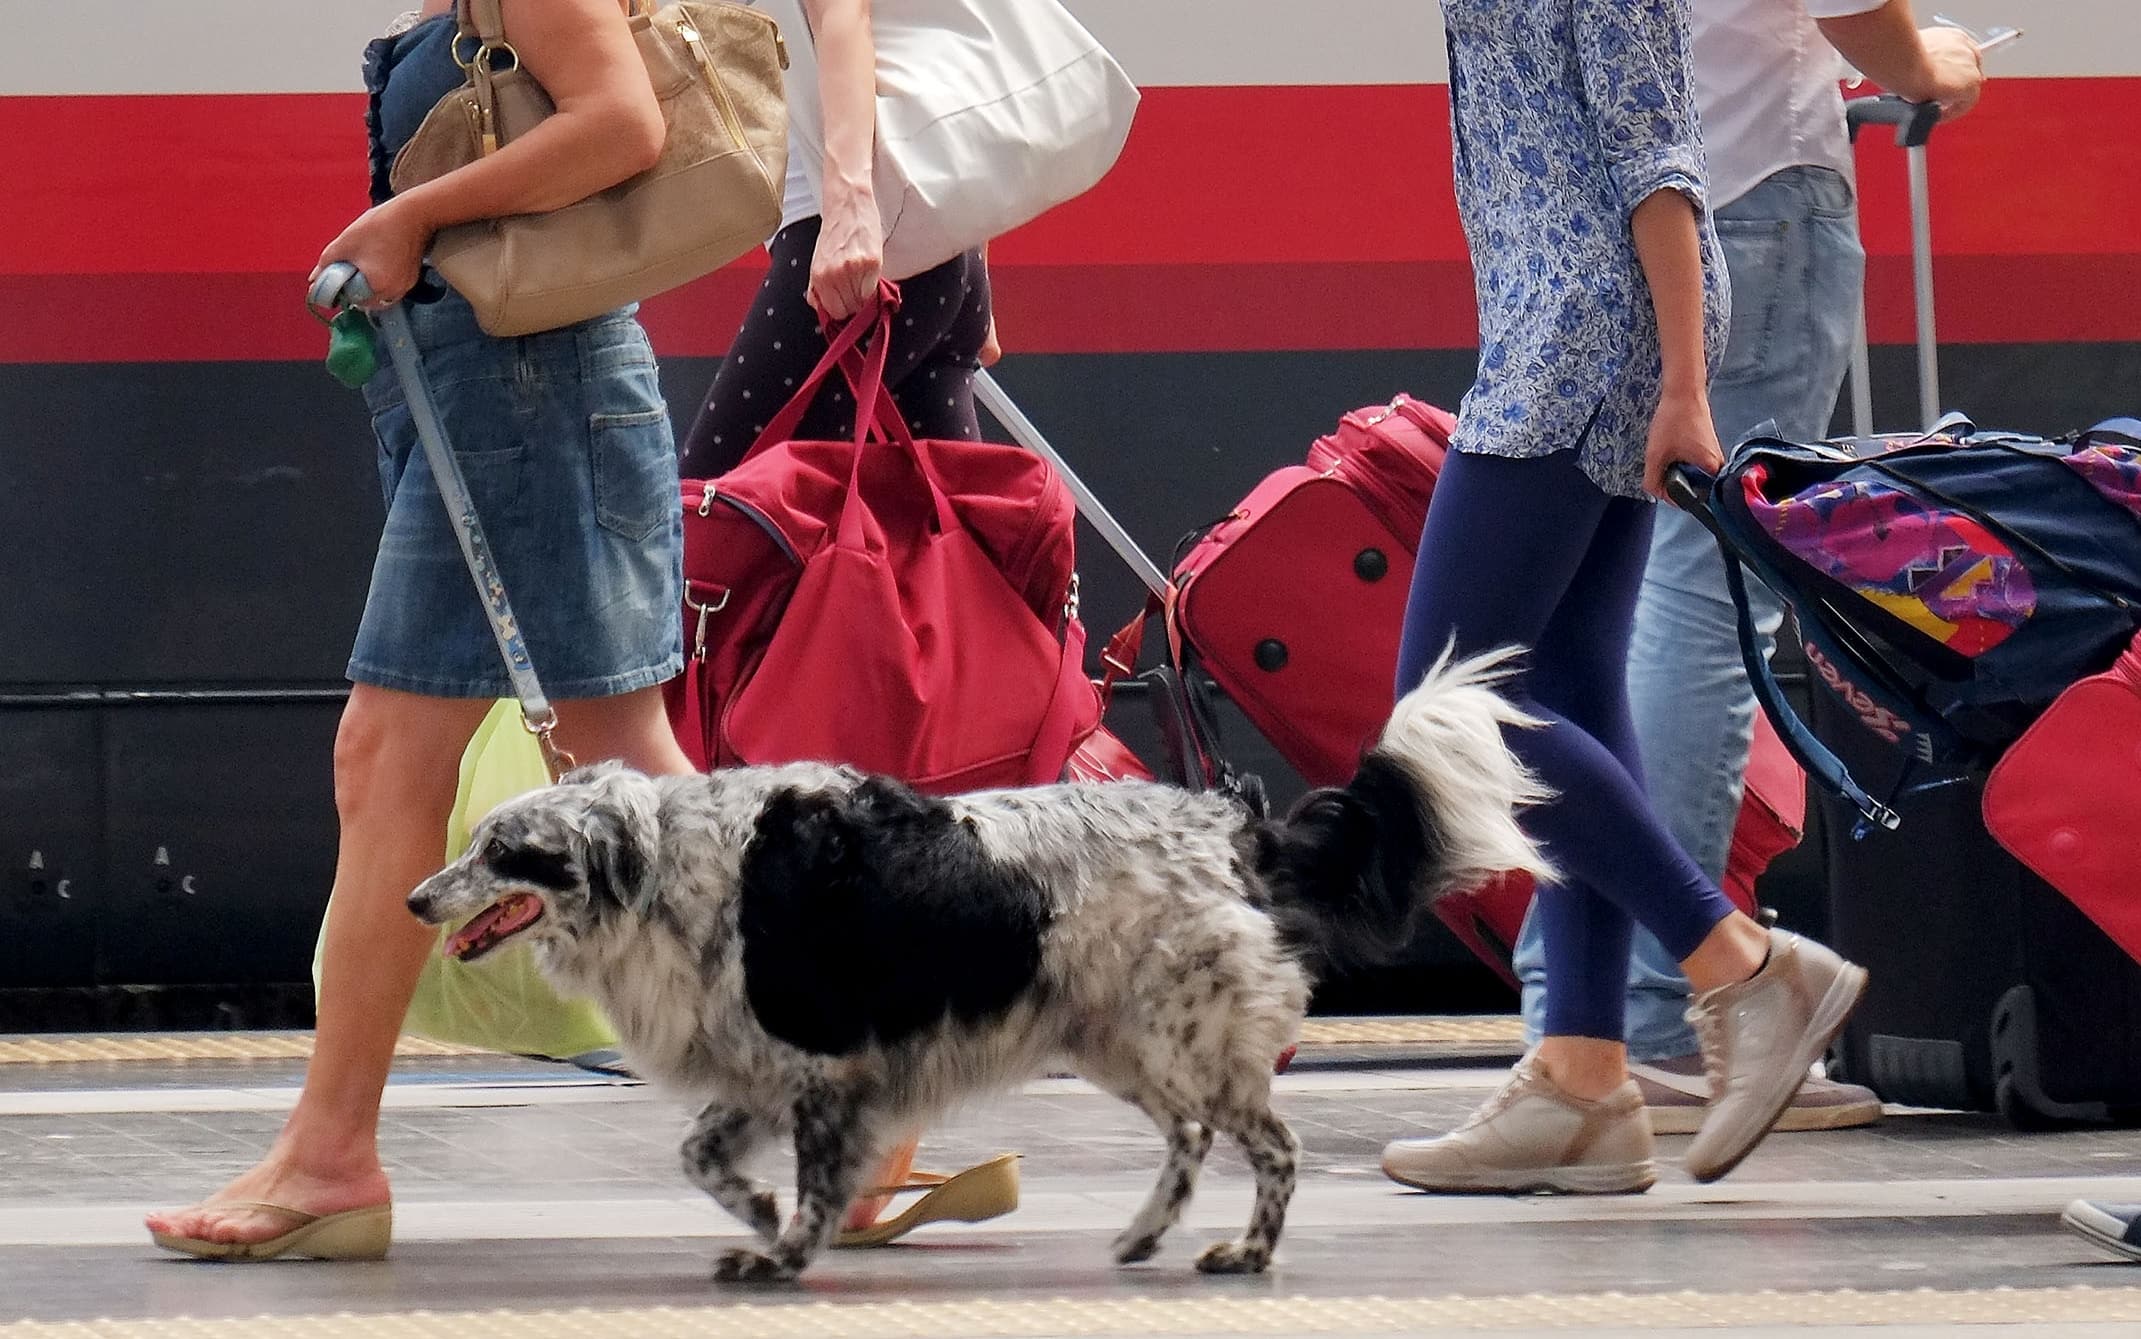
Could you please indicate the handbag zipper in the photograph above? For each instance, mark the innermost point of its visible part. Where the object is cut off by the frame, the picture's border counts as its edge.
(691, 37)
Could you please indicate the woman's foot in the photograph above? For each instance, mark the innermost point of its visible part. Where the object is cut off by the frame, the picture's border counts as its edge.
(1533, 1137)
(278, 1180)
(1759, 1037)
(890, 1175)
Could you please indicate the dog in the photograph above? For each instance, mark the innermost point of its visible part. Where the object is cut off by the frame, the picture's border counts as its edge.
(805, 948)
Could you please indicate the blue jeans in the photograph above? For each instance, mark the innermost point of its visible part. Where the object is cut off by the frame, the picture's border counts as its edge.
(1792, 250)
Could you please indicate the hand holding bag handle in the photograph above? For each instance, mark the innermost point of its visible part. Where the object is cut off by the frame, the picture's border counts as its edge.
(340, 287)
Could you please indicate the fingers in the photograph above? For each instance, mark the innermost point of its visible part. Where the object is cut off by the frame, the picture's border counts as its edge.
(842, 290)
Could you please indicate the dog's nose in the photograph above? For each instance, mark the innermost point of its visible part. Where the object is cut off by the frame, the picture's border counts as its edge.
(420, 905)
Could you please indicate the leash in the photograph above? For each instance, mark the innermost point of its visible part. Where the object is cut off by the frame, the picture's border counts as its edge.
(338, 291)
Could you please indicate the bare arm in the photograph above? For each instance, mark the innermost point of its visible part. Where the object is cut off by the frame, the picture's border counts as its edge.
(607, 127)
(851, 244)
(1924, 65)
(1668, 246)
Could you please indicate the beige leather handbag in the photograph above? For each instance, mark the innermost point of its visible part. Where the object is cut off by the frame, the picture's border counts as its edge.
(714, 195)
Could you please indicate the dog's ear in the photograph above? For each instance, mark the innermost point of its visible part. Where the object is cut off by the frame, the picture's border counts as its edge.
(622, 829)
(590, 773)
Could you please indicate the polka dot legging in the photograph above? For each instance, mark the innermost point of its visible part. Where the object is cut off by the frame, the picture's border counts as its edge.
(936, 347)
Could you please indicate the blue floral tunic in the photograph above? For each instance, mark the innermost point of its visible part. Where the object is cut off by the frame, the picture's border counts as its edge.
(1567, 114)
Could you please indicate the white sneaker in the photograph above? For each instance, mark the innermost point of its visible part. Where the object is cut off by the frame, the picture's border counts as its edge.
(1759, 1038)
(1532, 1137)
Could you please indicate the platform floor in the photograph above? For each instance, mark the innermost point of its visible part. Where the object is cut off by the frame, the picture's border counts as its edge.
(534, 1199)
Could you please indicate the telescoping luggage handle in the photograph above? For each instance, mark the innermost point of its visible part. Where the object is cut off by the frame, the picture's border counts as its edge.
(1689, 489)
(1021, 428)
(340, 287)
(1914, 123)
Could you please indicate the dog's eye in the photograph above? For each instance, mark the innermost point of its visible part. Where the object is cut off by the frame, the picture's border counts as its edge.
(494, 851)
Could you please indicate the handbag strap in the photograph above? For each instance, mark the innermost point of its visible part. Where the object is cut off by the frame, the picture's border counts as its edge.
(483, 23)
(481, 19)
(536, 713)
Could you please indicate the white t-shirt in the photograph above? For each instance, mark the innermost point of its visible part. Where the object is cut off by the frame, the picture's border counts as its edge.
(1765, 84)
(806, 119)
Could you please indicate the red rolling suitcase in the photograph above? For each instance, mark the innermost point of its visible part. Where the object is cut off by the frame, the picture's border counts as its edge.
(1294, 600)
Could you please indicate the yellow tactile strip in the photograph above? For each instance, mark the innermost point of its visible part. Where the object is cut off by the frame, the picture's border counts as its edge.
(32, 1050)
(1494, 1031)
(1146, 1316)
(1491, 1030)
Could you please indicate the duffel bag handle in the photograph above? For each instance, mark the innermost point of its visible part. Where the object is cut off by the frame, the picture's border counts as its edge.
(1689, 489)
(839, 343)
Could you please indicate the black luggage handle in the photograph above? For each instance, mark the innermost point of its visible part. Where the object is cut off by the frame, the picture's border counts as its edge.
(1689, 489)
(1914, 121)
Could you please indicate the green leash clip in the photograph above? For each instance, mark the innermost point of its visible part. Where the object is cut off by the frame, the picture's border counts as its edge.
(352, 348)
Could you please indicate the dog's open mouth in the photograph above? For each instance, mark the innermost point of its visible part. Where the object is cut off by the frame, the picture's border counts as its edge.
(493, 925)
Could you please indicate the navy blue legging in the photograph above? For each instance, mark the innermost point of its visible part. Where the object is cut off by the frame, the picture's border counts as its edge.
(1532, 553)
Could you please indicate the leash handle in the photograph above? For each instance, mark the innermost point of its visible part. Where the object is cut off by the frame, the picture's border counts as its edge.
(340, 287)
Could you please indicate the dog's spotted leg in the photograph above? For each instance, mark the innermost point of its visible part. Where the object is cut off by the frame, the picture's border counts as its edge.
(1273, 1154)
(1187, 1144)
(832, 1153)
(721, 1139)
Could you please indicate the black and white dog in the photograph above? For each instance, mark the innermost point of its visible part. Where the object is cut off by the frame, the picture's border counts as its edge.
(806, 948)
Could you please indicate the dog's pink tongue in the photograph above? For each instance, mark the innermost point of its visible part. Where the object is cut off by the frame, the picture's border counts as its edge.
(492, 924)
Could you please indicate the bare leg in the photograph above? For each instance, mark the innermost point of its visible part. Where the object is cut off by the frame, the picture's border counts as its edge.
(891, 1173)
(397, 760)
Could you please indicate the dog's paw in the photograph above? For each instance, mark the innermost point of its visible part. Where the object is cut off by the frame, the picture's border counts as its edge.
(1232, 1257)
(1132, 1246)
(742, 1266)
(764, 1217)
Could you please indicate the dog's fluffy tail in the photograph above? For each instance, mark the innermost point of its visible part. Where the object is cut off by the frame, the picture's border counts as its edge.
(1432, 810)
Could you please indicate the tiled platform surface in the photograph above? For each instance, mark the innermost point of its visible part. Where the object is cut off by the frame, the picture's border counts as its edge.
(533, 1200)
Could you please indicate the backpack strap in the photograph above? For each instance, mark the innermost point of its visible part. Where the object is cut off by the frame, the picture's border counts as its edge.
(1692, 491)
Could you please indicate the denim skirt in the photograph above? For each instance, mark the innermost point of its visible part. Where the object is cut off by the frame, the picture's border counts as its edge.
(565, 442)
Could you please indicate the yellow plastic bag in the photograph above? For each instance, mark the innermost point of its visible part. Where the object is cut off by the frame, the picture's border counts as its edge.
(500, 1002)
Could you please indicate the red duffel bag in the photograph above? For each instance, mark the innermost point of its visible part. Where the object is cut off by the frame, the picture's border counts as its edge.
(903, 606)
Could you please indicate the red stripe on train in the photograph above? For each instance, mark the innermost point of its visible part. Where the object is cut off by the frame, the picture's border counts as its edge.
(1059, 309)
(258, 183)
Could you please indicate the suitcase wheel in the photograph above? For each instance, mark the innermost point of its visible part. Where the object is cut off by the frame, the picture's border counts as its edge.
(1371, 564)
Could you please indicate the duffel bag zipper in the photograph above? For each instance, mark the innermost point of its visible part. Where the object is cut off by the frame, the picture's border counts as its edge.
(709, 495)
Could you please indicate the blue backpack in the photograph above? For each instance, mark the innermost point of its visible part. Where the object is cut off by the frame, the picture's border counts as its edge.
(1946, 586)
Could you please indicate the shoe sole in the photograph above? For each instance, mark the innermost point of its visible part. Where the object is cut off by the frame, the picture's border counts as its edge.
(1795, 1120)
(359, 1234)
(2083, 1222)
(1829, 1017)
(1629, 1178)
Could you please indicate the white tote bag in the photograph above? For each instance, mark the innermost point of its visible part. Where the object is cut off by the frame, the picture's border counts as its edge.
(989, 113)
